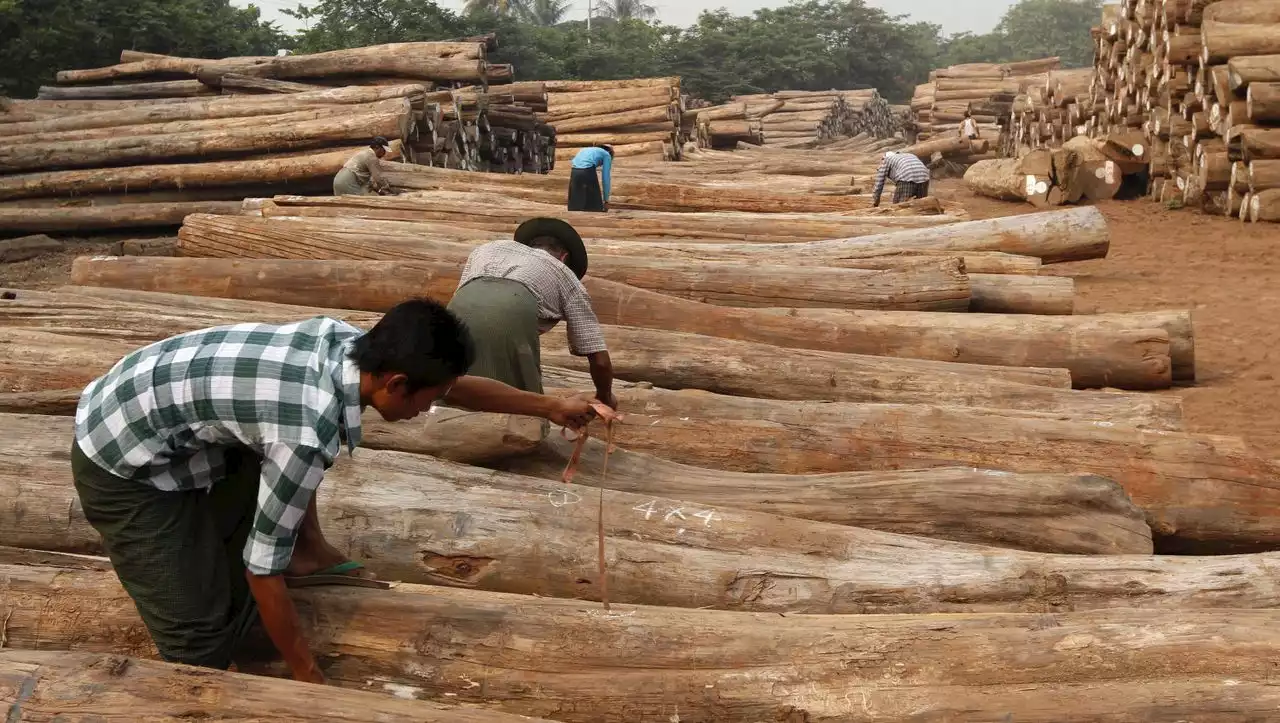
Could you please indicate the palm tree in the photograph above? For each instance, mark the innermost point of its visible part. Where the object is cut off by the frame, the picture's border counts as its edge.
(626, 9)
(497, 7)
(544, 12)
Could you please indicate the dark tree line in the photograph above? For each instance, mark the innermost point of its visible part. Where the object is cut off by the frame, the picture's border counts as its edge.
(807, 44)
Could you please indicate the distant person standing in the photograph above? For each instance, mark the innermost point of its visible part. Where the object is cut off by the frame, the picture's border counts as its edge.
(361, 175)
(969, 128)
(910, 177)
(585, 192)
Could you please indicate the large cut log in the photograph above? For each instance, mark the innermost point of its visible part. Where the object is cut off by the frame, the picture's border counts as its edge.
(424, 60)
(149, 149)
(709, 664)
(205, 125)
(1063, 513)
(537, 537)
(212, 174)
(1265, 205)
(38, 686)
(1075, 513)
(1226, 40)
(1130, 351)
(99, 218)
(654, 114)
(215, 107)
(128, 91)
(1264, 102)
(1112, 351)
(1253, 69)
(1001, 178)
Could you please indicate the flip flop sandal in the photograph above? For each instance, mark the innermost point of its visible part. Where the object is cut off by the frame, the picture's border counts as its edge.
(334, 576)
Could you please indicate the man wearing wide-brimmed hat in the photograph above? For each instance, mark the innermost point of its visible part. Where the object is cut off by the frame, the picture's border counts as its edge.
(513, 291)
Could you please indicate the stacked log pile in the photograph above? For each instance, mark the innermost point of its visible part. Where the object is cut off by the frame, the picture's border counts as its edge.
(1190, 88)
(1048, 114)
(1081, 169)
(795, 118)
(879, 427)
(986, 90)
(640, 117)
(147, 141)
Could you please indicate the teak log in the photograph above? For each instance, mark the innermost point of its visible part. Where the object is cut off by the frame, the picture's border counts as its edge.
(40, 686)
(1264, 102)
(423, 60)
(1225, 40)
(609, 120)
(1253, 69)
(1264, 175)
(658, 660)
(149, 149)
(1114, 350)
(127, 91)
(1001, 178)
(1265, 205)
(323, 164)
(536, 537)
(215, 107)
(98, 218)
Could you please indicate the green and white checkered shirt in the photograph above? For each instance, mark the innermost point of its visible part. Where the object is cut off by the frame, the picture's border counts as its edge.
(164, 415)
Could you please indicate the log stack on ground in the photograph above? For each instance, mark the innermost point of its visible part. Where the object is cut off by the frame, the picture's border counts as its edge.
(793, 118)
(1194, 86)
(1079, 170)
(640, 117)
(118, 147)
(987, 91)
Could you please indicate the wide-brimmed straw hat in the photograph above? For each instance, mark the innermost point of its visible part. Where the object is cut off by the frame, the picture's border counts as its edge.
(560, 231)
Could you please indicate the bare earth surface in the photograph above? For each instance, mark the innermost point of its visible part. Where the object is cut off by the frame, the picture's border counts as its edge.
(1228, 273)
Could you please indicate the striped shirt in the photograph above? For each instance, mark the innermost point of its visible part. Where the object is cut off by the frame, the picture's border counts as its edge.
(165, 414)
(899, 167)
(561, 296)
(592, 158)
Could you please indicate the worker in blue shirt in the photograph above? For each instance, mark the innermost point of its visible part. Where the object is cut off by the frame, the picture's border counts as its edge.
(584, 187)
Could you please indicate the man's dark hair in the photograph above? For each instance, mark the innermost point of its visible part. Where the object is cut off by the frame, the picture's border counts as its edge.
(420, 339)
(549, 244)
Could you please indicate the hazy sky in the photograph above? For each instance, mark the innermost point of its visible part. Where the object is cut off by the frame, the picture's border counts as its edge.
(970, 15)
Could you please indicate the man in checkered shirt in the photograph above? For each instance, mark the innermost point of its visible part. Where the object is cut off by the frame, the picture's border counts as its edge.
(512, 292)
(910, 177)
(197, 459)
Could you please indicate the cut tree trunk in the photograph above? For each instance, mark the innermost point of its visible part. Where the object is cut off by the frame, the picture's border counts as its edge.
(1114, 350)
(99, 218)
(40, 686)
(127, 91)
(149, 149)
(1224, 40)
(215, 107)
(537, 538)
(1264, 175)
(658, 660)
(652, 114)
(319, 165)
(1016, 294)
(1264, 102)
(1265, 205)
(1002, 179)
(1255, 69)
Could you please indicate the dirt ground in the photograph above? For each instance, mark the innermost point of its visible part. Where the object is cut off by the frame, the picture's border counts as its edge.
(1226, 272)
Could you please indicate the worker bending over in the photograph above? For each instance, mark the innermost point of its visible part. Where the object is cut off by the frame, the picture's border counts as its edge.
(361, 175)
(910, 177)
(511, 292)
(197, 458)
(585, 192)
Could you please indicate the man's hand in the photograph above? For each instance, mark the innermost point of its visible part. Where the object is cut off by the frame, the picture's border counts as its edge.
(574, 412)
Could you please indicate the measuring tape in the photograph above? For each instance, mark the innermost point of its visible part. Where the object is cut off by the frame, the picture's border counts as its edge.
(609, 416)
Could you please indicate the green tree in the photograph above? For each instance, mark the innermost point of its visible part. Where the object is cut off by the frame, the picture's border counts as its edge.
(1032, 29)
(336, 24)
(626, 10)
(42, 37)
(545, 13)
(498, 7)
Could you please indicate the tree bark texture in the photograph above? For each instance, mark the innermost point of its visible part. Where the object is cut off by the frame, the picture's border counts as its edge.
(1115, 350)
(99, 218)
(179, 146)
(661, 659)
(39, 686)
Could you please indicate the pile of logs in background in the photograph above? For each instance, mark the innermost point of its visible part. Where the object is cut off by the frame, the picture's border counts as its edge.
(146, 142)
(986, 90)
(794, 118)
(638, 117)
(1201, 82)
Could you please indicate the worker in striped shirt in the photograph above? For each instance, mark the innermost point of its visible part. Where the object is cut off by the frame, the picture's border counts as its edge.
(197, 459)
(910, 177)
